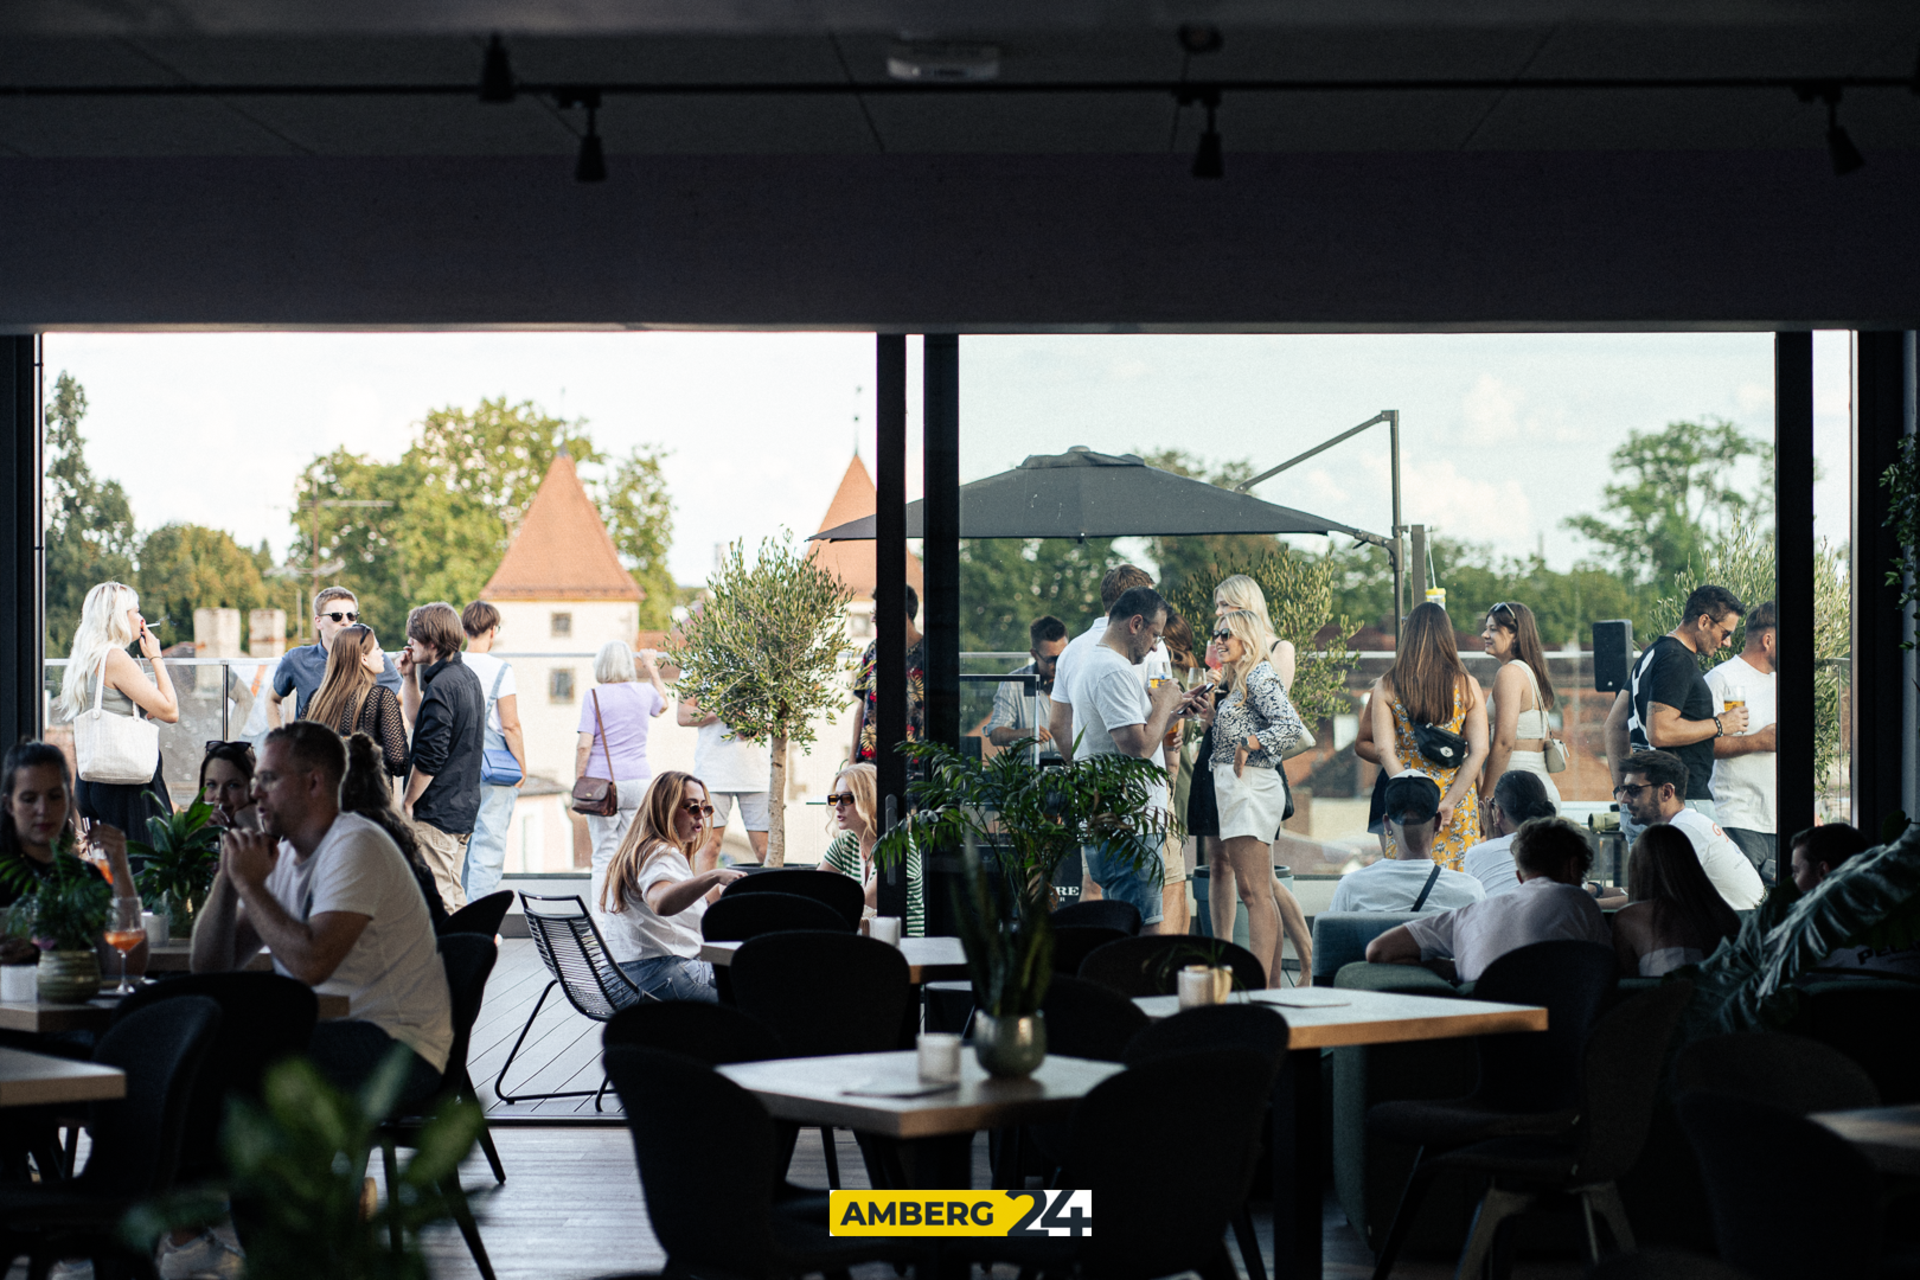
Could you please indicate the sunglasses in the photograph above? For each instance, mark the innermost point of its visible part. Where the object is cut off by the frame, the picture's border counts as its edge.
(695, 807)
(837, 798)
(215, 744)
(342, 617)
(1223, 633)
(1628, 793)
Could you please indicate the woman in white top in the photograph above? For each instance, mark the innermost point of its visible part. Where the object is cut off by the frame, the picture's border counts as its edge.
(1522, 697)
(614, 720)
(658, 888)
(99, 665)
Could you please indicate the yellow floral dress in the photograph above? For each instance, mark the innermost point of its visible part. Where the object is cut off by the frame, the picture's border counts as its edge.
(1454, 839)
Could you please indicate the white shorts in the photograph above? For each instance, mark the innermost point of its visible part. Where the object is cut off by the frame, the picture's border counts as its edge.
(755, 813)
(1251, 804)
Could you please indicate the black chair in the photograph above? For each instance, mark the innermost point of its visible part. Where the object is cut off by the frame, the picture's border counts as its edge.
(1073, 944)
(1664, 1264)
(1150, 965)
(824, 993)
(264, 1017)
(842, 893)
(707, 1153)
(1087, 1020)
(753, 914)
(576, 955)
(1619, 1078)
(482, 915)
(1169, 1160)
(1104, 913)
(137, 1143)
(1875, 1022)
(1748, 1151)
(1786, 1071)
(1528, 1081)
(469, 959)
(712, 1033)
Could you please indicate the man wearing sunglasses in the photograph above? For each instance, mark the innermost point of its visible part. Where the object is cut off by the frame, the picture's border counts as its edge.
(301, 670)
(1651, 791)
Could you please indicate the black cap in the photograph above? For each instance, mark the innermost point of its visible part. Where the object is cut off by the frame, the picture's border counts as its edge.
(1412, 797)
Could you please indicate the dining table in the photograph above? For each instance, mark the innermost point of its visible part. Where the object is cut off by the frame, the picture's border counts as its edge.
(928, 959)
(49, 1017)
(1887, 1136)
(29, 1079)
(177, 956)
(1320, 1018)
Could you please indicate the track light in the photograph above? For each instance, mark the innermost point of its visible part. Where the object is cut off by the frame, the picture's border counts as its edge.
(1840, 149)
(1208, 161)
(496, 73)
(592, 164)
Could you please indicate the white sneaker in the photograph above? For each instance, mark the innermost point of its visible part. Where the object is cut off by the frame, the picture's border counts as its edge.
(202, 1258)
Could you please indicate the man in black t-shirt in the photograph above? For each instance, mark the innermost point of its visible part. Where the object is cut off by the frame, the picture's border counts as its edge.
(1667, 704)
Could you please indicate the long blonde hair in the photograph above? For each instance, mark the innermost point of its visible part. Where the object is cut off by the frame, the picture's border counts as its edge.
(1242, 592)
(651, 834)
(1256, 641)
(103, 628)
(347, 682)
(863, 780)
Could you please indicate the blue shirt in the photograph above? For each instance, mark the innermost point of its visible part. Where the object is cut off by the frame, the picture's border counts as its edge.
(302, 670)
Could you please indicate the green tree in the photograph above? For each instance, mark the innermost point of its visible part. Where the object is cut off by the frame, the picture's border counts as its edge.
(184, 567)
(1180, 559)
(1005, 583)
(90, 536)
(1565, 605)
(1674, 497)
(765, 652)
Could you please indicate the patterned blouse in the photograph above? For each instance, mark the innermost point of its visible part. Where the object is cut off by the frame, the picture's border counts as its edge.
(380, 720)
(866, 687)
(1258, 707)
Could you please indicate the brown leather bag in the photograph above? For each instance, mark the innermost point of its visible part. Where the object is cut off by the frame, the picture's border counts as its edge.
(597, 796)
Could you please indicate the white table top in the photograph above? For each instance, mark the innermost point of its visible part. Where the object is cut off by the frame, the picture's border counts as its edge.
(1888, 1136)
(37, 1079)
(1326, 1017)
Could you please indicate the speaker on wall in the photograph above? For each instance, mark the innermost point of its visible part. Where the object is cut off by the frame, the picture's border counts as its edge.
(1612, 654)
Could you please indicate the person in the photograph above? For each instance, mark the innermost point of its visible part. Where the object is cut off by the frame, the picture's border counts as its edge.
(301, 670)
(1553, 905)
(866, 688)
(330, 897)
(1676, 917)
(487, 850)
(1365, 748)
(444, 703)
(1413, 879)
(1115, 583)
(1743, 762)
(1519, 797)
(1668, 705)
(365, 791)
(735, 770)
(1013, 702)
(1176, 913)
(658, 888)
(1816, 852)
(1651, 794)
(38, 824)
(1522, 695)
(1253, 725)
(854, 804)
(98, 664)
(351, 699)
(1427, 685)
(614, 720)
(226, 783)
(1118, 716)
(1239, 591)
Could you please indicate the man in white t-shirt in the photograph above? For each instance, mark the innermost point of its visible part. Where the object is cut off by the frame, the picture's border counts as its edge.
(1118, 716)
(1117, 582)
(332, 898)
(1412, 881)
(1743, 762)
(487, 847)
(1655, 783)
(736, 773)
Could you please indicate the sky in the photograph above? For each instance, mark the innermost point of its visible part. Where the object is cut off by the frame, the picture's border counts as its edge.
(1503, 436)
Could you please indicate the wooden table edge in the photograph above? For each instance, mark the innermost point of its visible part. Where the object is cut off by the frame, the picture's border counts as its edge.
(1410, 1030)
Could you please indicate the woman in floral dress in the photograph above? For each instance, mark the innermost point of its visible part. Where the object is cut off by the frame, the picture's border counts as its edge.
(1428, 685)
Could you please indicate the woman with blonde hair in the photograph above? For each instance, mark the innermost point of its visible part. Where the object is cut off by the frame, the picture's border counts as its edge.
(349, 699)
(614, 719)
(1522, 696)
(1429, 694)
(100, 669)
(658, 888)
(854, 802)
(1253, 725)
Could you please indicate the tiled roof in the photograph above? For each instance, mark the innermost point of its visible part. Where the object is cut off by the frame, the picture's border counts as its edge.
(852, 562)
(563, 551)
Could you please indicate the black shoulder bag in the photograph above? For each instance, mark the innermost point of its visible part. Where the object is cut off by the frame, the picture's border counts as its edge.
(1427, 888)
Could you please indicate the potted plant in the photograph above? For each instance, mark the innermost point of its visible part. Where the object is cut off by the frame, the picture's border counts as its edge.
(178, 860)
(64, 912)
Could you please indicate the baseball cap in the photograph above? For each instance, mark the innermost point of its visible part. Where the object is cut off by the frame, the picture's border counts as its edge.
(1412, 797)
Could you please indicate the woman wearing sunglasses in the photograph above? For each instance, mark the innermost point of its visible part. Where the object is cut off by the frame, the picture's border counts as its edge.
(658, 887)
(853, 803)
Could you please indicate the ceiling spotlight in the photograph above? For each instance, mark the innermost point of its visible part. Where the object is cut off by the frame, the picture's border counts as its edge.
(943, 60)
(592, 164)
(1200, 37)
(1208, 161)
(496, 73)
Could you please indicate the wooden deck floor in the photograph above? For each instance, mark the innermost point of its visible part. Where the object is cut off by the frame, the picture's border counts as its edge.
(561, 1053)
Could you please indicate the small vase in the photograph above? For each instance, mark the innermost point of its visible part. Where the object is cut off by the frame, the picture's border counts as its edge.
(1010, 1047)
(69, 977)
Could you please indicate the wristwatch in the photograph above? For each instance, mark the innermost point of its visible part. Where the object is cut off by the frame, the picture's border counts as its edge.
(1719, 730)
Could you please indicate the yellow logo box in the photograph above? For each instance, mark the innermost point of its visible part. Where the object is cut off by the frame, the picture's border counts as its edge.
(961, 1213)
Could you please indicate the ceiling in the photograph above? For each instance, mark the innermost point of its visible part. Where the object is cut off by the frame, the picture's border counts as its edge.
(207, 44)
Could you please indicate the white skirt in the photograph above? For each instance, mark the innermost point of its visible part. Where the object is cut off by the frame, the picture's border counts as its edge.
(1535, 762)
(1251, 804)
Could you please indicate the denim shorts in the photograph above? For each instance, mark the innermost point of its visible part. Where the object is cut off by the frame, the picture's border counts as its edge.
(1136, 881)
(673, 978)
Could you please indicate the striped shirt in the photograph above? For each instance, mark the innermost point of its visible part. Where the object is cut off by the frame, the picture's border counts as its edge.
(843, 855)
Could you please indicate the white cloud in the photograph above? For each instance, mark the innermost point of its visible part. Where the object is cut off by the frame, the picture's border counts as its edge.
(1754, 397)
(1490, 410)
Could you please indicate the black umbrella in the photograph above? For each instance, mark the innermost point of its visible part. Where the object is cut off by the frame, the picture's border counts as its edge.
(1083, 494)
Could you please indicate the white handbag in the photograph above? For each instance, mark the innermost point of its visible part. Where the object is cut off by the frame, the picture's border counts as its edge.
(114, 748)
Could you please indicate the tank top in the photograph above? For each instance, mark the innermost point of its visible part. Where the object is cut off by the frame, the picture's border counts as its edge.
(1533, 723)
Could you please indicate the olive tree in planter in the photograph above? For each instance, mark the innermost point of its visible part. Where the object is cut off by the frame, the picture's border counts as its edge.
(766, 653)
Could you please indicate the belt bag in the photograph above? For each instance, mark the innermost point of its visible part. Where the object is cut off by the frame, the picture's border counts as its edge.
(1441, 746)
(498, 768)
(597, 797)
(113, 748)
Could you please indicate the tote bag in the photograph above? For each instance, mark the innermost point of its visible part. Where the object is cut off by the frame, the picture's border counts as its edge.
(114, 748)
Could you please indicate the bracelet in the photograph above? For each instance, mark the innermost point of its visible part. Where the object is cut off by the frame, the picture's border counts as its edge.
(1719, 730)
